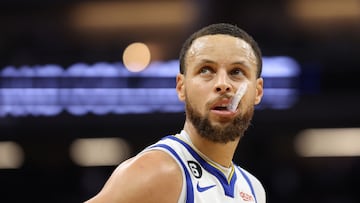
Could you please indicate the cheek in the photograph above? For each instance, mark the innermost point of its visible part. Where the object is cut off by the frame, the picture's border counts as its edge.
(249, 98)
(196, 97)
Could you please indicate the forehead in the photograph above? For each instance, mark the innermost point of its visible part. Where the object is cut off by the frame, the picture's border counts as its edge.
(221, 46)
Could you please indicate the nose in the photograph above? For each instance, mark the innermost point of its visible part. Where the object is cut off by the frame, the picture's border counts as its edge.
(222, 84)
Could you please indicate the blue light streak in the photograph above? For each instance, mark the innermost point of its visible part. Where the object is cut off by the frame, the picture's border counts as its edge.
(104, 88)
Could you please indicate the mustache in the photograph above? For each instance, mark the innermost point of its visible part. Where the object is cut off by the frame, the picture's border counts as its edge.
(219, 98)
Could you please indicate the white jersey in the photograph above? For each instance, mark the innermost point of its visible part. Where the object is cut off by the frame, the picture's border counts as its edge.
(204, 182)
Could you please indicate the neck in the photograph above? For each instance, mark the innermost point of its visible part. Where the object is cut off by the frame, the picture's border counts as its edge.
(221, 153)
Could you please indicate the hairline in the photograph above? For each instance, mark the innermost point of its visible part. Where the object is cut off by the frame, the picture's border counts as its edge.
(221, 29)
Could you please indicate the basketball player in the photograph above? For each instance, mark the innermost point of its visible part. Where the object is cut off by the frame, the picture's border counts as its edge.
(196, 164)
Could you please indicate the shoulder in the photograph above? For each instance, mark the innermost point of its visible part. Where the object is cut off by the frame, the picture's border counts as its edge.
(257, 185)
(153, 176)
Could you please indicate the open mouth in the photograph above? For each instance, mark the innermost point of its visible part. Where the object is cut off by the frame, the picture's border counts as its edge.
(221, 105)
(221, 108)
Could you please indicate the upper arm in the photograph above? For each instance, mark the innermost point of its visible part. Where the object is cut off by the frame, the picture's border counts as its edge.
(153, 176)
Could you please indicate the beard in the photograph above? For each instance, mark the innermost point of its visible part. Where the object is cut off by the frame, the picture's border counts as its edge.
(223, 133)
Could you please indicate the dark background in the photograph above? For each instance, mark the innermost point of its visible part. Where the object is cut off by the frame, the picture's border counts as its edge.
(326, 47)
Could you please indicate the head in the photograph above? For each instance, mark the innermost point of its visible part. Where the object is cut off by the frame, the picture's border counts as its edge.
(225, 29)
(214, 62)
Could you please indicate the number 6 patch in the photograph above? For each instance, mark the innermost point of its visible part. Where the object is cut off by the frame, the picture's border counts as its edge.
(195, 169)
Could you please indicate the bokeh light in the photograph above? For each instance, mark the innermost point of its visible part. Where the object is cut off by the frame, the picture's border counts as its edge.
(136, 57)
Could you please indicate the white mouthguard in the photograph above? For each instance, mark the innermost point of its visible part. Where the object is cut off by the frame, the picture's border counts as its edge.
(237, 97)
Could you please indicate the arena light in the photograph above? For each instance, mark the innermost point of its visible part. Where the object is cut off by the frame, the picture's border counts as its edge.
(109, 15)
(99, 151)
(329, 142)
(334, 11)
(103, 88)
(11, 155)
(136, 56)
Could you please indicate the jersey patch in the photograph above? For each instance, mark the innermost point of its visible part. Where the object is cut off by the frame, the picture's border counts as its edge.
(195, 169)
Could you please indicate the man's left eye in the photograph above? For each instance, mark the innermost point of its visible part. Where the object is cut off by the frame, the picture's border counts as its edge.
(236, 72)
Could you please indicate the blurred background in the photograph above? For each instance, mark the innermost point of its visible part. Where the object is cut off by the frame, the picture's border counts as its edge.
(74, 103)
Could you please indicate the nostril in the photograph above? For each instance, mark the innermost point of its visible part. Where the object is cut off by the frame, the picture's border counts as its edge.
(223, 89)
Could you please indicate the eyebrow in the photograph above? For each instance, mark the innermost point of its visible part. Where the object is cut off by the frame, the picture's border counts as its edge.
(243, 63)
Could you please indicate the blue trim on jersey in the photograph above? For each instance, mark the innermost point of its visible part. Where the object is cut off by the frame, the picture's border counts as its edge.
(229, 188)
(249, 182)
(189, 186)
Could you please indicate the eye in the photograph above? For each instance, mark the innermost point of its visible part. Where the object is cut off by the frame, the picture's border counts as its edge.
(237, 72)
(205, 70)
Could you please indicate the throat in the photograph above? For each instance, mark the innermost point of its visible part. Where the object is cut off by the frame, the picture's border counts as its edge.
(219, 155)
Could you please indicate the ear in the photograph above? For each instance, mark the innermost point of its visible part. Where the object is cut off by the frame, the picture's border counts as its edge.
(259, 90)
(180, 87)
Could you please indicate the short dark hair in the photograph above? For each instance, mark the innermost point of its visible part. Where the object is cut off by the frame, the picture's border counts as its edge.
(226, 29)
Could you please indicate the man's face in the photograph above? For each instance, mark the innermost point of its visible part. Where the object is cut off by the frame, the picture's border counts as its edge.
(216, 65)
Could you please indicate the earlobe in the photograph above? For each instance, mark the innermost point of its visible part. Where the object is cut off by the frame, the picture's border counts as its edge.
(259, 90)
(180, 88)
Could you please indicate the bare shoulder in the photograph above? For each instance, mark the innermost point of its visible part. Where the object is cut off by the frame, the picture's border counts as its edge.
(153, 176)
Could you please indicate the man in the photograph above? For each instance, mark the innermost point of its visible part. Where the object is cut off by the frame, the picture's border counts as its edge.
(196, 164)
